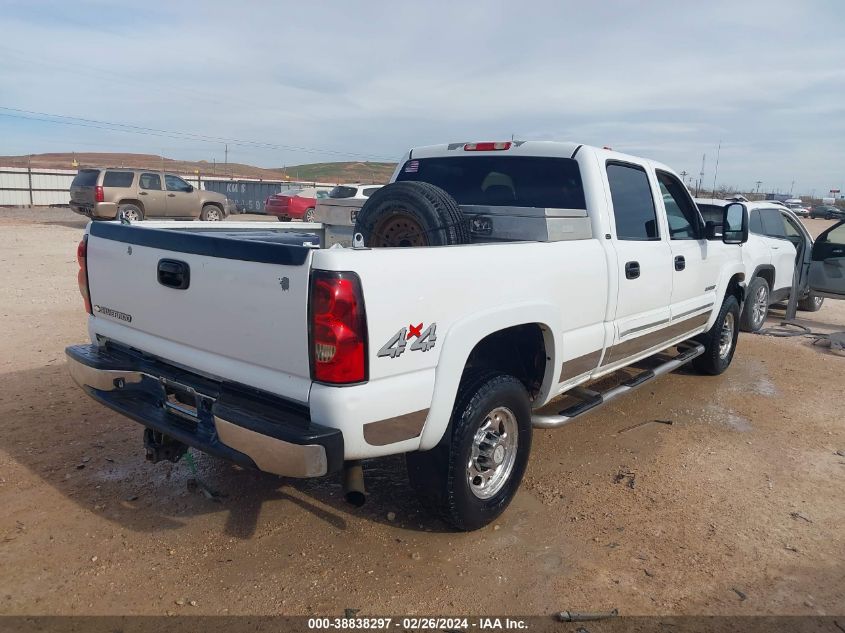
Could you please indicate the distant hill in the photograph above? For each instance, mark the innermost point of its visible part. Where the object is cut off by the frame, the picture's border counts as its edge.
(342, 172)
(317, 172)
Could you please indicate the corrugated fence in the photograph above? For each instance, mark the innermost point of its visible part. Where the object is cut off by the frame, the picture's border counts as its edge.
(22, 186)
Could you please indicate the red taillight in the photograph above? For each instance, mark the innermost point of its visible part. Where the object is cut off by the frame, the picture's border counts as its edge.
(82, 275)
(98, 194)
(486, 147)
(338, 328)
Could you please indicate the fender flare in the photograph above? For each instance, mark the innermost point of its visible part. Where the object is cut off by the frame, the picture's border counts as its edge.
(762, 267)
(461, 339)
(728, 273)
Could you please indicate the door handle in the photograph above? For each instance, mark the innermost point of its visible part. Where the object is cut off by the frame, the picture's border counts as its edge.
(171, 195)
(632, 270)
(680, 262)
(174, 274)
(142, 193)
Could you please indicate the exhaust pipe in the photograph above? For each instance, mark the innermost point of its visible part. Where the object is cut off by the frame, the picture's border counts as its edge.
(353, 483)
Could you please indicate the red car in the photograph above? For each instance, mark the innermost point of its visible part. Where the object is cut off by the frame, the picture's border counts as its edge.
(294, 205)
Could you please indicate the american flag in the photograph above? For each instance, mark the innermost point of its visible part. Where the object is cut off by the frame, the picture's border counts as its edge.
(412, 166)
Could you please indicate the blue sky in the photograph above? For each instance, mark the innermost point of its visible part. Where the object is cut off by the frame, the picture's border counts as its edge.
(667, 80)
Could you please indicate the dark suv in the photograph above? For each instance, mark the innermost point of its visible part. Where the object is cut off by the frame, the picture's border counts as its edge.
(828, 212)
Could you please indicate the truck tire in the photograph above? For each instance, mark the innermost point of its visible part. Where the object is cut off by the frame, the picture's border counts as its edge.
(211, 213)
(131, 212)
(720, 341)
(811, 303)
(470, 477)
(756, 306)
(408, 213)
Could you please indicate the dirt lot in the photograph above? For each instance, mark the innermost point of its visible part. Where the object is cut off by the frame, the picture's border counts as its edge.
(734, 508)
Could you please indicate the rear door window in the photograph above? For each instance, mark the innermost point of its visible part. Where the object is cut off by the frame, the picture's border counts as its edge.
(633, 204)
(772, 223)
(118, 179)
(515, 181)
(150, 181)
(86, 178)
(343, 192)
(369, 191)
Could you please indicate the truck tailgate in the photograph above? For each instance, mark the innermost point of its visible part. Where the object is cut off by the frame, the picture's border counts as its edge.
(242, 317)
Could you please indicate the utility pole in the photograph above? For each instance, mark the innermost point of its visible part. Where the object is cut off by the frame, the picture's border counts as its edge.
(716, 171)
(700, 175)
(227, 153)
(791, 187)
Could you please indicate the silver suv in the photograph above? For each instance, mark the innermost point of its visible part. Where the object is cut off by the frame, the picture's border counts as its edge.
(103, 194)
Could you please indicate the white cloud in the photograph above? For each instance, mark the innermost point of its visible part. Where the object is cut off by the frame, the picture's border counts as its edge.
(664, 79)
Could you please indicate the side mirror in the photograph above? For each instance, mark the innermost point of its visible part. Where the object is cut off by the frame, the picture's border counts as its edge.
(190, 189)
(735, 224)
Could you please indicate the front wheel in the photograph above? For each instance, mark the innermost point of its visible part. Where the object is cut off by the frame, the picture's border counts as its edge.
(472, 475)
(210, 213)
(720, 341)
(309, 216)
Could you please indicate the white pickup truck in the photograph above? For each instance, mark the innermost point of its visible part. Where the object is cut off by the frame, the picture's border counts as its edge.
(535, 268)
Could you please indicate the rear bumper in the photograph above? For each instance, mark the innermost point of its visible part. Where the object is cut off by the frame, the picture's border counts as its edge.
(96, 211)
(251, 428)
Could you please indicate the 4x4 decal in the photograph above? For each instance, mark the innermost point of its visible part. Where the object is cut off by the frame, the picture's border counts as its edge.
(395, 347)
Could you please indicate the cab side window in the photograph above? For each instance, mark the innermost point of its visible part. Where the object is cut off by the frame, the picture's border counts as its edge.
(633, 204)
(755, 223)
(683, 217)
(150, 181)
(174, 183)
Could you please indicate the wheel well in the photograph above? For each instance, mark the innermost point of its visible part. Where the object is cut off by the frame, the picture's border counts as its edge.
(519, 351)
(736, 288)
(767, 273)
(137, 203)
(212, 204)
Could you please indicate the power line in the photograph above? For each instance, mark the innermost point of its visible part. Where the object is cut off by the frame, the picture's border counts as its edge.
(18, 113)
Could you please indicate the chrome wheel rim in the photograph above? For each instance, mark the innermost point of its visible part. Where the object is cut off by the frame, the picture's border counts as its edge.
(309, 215)
(493, 453)
(212, 215)
(130, 214)
(726, 336)
(761, 306)
(817, 301)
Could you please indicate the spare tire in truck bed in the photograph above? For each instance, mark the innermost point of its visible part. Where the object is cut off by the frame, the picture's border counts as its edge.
(411, 214)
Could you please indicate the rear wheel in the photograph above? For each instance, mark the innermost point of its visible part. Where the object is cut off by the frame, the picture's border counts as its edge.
(720, 341)
(131, 212)
(756, 307)
(472, 475)
(811, 303)
(211, 213)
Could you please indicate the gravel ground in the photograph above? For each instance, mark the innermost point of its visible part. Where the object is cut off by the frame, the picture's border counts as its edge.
(734, 508)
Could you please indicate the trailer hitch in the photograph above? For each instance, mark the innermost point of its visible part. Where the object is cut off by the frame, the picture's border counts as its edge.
(161, 447)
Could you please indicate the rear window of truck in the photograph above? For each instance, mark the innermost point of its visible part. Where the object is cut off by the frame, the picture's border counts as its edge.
(502, 181)
(118, 179)
(86, 178)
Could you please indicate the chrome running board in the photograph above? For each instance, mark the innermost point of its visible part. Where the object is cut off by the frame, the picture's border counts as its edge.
(590, 400)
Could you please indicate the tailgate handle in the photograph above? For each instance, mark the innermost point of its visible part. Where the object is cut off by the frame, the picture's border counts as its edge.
(174, 274)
